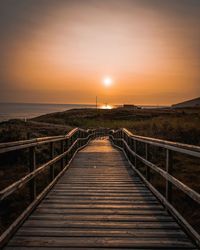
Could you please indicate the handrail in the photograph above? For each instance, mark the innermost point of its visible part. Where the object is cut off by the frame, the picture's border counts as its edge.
(191, 150)
(187, 190)
(127, 142)
(17, 145)
(164, 143)
(21, 182)
(71, 143)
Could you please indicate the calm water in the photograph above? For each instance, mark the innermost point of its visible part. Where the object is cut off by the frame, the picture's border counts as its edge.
(28, 110)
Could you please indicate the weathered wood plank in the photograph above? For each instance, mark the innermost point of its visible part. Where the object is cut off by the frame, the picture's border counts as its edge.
(99, 201)
(99, 242)
(67, 197)
(93, 217)
(102, 206)
(104, 211)
(67, 232)
(86, 248)
(100, 224)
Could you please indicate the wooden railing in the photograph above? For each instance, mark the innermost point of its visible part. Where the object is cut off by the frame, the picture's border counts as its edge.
(75, 140)
(70, 144)
(129, 144)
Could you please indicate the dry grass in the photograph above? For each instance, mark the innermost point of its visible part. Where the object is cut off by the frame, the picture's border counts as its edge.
(176, 125)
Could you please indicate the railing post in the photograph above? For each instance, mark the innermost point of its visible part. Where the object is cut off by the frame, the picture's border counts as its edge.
(62, 147)
(67, 147)
(79, 136)
(169, 166)
(135, 150)
(123, 137)
(147, 158)
(51, 156)
(32, 167)
(131, 146)
(70, 144)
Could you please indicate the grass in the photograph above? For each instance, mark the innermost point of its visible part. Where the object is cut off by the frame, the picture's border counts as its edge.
(176, 125)
(15, 130)
(15, 165)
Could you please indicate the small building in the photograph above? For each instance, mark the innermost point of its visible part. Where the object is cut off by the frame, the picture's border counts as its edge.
(130, 106)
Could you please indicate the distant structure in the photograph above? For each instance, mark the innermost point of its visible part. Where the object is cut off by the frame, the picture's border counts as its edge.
(96, 102)
(188, 104)
(130, 106)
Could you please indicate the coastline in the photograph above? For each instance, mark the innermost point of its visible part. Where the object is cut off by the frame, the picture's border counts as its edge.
(26, 111)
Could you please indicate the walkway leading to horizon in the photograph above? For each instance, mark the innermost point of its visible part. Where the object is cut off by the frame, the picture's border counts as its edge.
(100, 203)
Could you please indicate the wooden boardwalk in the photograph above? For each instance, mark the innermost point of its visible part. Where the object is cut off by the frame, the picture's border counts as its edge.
(100, 203)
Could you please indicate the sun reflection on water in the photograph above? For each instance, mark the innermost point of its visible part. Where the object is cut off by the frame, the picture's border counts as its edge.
(106, 106)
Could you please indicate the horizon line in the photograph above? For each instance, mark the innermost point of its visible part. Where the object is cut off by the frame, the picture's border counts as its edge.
(91, 104)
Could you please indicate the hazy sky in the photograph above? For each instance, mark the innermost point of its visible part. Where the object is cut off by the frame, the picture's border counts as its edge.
(58, 51)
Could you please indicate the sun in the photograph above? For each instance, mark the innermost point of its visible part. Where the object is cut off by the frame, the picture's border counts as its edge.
(107, 81)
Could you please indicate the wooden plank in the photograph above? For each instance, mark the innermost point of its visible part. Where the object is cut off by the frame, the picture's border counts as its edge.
(112, 202)
(100, 224)
(105, 211)
(67, 232)
(119, 188)
(93, 248)
(86, 248)
(111, 206)
(93, 217)
(101, 185)
(99, 242)
(108, 194)
(66, 197)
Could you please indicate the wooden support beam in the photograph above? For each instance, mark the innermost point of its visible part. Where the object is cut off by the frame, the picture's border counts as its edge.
(62, 147)
(51, 157)
(147, 158)
(135, 150)
(32, 167)
(169, 166)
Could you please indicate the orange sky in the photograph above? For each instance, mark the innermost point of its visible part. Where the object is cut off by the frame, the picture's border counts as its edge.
(58, 51)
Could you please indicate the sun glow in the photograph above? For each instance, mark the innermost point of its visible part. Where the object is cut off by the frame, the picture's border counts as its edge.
(106, 106)
(107, 81)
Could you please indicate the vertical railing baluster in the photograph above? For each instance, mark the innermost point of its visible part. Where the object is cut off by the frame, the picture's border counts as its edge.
(147, 158)
(51, 157)
(67, 147)
(32, 167)
(169, 166)
(78, 137)
(124, 139)
(131, 146)
(62, 147)
(135, 150)
(70, 143)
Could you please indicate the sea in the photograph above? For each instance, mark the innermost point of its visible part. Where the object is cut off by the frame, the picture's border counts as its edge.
(26, 111)
(30, 110)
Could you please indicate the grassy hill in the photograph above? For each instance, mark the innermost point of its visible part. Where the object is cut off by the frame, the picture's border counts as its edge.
(177, 125)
